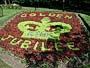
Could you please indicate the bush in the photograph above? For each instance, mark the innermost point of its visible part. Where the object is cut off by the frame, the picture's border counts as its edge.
(11, 7)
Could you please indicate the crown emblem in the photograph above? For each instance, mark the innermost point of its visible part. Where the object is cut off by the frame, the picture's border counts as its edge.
(45, 29)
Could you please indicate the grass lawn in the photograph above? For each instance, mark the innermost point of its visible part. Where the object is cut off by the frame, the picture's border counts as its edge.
(8, 13)
(86, 18)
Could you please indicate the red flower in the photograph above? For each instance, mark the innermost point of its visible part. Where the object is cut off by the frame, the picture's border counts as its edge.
(32, 60)
(50, 57)
(38, 57)
(70, 53)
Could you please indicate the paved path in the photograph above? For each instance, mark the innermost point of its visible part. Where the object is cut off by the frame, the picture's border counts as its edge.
(11, 60)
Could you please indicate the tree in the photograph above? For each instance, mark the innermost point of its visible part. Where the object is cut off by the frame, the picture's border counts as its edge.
(5, 2)
(18, 1)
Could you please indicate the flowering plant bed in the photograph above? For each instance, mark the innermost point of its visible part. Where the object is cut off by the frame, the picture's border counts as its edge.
(44, 36)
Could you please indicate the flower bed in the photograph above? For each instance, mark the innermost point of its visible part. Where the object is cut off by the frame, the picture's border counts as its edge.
(44, 36)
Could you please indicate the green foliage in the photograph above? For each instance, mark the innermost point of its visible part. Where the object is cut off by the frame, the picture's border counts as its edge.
(18, 1)
(41, 0)
(46, 65)
(23, 61)
(10, 7)
(86, 66)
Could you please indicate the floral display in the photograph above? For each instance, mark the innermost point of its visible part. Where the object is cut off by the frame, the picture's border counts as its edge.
(44, 36)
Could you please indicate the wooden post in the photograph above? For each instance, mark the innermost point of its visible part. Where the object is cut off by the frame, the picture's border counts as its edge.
(63, 5)
(34, 4)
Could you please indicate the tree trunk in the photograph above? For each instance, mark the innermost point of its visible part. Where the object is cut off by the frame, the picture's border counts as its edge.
(9, 2)
(5, 1)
